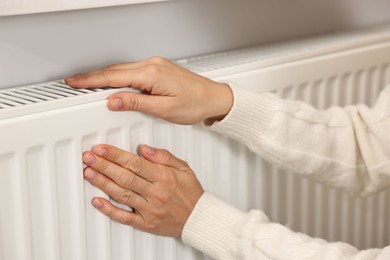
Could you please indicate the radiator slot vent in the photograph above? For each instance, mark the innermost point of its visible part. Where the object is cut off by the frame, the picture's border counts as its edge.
(39, 93)
(40, 97)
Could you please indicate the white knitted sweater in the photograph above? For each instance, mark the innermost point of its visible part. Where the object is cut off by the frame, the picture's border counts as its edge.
(348, 148)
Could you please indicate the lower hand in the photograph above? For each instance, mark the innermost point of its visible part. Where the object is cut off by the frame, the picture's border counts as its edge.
(169, 91)
(161, 189)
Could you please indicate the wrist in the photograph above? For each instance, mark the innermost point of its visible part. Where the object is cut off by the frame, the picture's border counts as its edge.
(220, 103)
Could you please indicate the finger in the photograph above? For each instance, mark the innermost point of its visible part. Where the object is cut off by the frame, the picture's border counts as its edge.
(128, 65)
(122, 66)
(123, 177)
(162, 156)
(124, 196)
(117, 214)
(118, 66)
(130, 161)
(139, 78)
(129, 101)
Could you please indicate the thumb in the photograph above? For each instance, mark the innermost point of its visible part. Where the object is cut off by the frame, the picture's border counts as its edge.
(130, 101)
(162, 156)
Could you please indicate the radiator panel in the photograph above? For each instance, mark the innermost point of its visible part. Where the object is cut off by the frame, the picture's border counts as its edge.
(49, 215)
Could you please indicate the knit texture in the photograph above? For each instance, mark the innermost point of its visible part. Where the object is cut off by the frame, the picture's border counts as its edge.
(348, 148)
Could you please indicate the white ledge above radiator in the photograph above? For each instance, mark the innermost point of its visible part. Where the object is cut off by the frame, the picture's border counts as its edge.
(46, 96)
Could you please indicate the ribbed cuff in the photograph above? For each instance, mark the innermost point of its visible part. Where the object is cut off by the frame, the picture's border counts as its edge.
(214, 227)
(250, 116)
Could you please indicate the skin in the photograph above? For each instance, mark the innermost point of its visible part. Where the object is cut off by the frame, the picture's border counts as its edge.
(161, 189)
(172, 92)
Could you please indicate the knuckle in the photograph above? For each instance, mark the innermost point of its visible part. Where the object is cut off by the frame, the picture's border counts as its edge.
(134, 164)
(111, 67)
(157, 60)
(103, 167)
(183, 165)
(104, 183)
(132, 102)
(127, 180)
(169, 179)
(153, 69)
(126, 197)
(186, 168)
(149, 227)
(167, 156)
(107, 74)
(125, 219)
(115, 155)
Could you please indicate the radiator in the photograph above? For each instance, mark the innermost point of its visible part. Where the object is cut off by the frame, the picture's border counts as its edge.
(45, 203)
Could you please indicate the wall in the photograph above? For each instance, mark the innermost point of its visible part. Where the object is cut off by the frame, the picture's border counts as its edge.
(43, 47)
(12, 7)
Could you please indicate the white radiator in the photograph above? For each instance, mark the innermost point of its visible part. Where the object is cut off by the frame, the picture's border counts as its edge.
(45, 203)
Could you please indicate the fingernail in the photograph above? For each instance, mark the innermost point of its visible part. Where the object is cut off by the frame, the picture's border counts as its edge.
(116, 104)
(70, 78)
(149, 150)
(90, 174)
(88, 158)
(100, 151)
(97, 203)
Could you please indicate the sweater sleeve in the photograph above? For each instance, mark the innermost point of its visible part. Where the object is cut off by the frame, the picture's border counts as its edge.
(224, 232)
(347, 148)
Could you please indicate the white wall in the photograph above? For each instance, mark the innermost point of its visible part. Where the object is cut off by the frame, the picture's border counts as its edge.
(12, 7)
(42, 47)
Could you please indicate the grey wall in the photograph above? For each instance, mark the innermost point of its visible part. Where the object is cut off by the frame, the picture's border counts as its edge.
(43, 47)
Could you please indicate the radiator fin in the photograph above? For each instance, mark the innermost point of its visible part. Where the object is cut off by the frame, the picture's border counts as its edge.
(70, 206)
(42, 203)
(15, 219)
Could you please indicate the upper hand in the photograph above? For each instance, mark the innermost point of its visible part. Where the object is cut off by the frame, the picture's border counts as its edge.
(161, 189)
(169, 91)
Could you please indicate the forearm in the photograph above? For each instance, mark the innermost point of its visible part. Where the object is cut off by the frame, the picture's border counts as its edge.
(224, 232)
(343, 147)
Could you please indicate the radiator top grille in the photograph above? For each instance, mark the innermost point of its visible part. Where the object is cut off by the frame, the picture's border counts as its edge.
(47, 96)
(39, 93)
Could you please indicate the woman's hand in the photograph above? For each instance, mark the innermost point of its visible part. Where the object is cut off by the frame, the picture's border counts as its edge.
(161, 189)
(168, 91)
